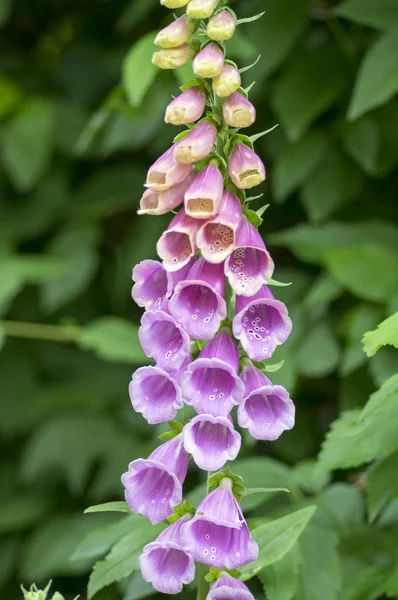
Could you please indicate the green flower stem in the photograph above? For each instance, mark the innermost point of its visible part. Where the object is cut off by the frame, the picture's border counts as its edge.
(39, 331)
(203, 586)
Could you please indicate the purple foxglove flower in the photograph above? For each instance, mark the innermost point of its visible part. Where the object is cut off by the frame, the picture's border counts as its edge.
(203, 198)
(198, 301)
(165, 564)
(211, 383)
(197, 144)
(218, 534)
(174, 3)
(246, 169)
(175, 34)
(155, 203)
(238, 111)
(261, 324)
(229, 588)
(209, 62)
(201, 9)
(216, 238)
(222, 26)
(163, 339)
(187, 107)
(154, 485)
(227, 82)
(250, 265)
(153, 284)
(173, 58)
(177, 244)
(166, 172)
(212, 441)
(267, 409)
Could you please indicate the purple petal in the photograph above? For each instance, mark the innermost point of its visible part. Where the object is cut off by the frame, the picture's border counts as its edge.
(203, 198)
(197, 144)
(177, 245)
(212, 441)
(224, 348)
(153, 284)
(155, 394)
(229, 588)
(163, 339)
(154, 203)
(166, 172)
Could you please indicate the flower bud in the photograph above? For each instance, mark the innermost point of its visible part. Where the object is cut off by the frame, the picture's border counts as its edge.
(197, 144)
(160, 203)
(222, 26)
(246, 169)
(227, 82)
(174, 3)
(187, 107)
(201, 9)
(238, 111)
(176, 33)
(165, 173)
(204, 196)
(173, 58)
(209, 62)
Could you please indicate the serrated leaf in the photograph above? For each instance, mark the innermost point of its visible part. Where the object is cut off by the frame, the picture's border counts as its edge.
(280, 580)
(382, 485)
(108, 507)
(385, 334)
(383, 15)
(100, 540)
(112, 339)
(137, 79)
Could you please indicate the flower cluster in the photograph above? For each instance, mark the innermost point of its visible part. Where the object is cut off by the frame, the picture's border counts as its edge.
(208, 313)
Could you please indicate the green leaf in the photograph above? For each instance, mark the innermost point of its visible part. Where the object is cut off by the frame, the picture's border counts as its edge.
(10, 93)
(307, 478)
(318, 353)
(377, 79)
(340, 507)
(5, 11)
(361, 318)
(2, 336)
(252, 217)
(137, 588)
(382, 15)
(138, 70)
(9, 551)
(112, 339)
(362, 140)
(28, 143)
(385, 334)
(100, 540)
(324, 290)
(382, 485)
(276, 538)
(109, 507)
(280, 580)
(19, 512)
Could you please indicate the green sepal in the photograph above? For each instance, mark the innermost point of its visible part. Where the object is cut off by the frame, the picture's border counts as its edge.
(34, 593)
(250, 19)
(180, 511)
(249, 87)
(277, 283)
(252, 217)
(265, 368)
(231, 63)
(219, 44)
(175, 429)
(227, 8)
(244, 93)
(253, 64)
(238, 138)
(251, 198)
(257, 136)
(238, 489)
(198, 82)
(251, 491)
(181, 135)
(214, 574)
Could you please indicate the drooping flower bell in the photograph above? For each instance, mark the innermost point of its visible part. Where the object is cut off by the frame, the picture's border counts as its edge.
(203, 198)
(187, 107)
(153, 285)
(160, 203)
(154, 485)
(175, 34)
(163, 339)
(216, 238)
(165, 564)
(212, 441)
(177, 245)
(173, 58)
(261, 324)
(198, 301)
(174, 3)
(266, 410)
(218, 534)
(227, 82)
(197, 144)
(238, 111)
(209, 62)
(221, 27)
(166, 172)
(250, 265)
(201, 9)
(228, 588)
(211, 383)
(246, 168)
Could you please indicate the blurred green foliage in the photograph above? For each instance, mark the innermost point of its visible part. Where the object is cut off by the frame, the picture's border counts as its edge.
(81, 111)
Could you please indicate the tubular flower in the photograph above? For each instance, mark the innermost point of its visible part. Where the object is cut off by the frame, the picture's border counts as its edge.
(261, 324)
(175, 34)
(221, 27)
(198, 302)
(218, 534)
(196, 145)
(201, 9)
(238, 111)
(173, 58)
(229, 588)
(187, 107)
(153, 284)
(209, 62)
(227, 82)
(165, 564)
(211, 383)
(203, 198)
(216, 238)
(246, 169)
(177, 245)
(166, 172)
(211, 441)
(154, 485)
(154, 203)
(250, 265)
(163, 339)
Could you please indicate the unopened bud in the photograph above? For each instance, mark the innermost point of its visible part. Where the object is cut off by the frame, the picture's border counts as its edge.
(197, 144)
(175, 34)
(227, 82)
(201, 9)
(222, 26)
(187, 107)
(246, 169)
(238, 111)
(174, 3)
(209, 62)
(173, 58)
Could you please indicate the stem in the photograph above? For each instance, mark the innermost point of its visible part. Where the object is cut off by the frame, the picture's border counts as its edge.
(203, 586)
(38, 331)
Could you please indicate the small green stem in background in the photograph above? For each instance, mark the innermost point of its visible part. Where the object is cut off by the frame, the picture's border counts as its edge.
(203, 586)
(39, 331)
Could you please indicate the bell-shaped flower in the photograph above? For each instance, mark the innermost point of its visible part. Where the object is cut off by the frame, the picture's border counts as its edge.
(201, 9)
(238, 111)
(227, 82)
(164, 340)
(261, 324)
(218, 534)
(249, 266)
(212, 441)
(209, 62)
(221, 27)
(198, 301)
(154, 485)
(211, 383)
(266, 410)
(153, 285)
(246, 169)
(228, 588)
(187, 107)
(197, 144)
(177, 245)
(216, 238)
(173, 58)
(203, 197)
(165, 564)
(175, 34)
(159, 203)
(166, 172)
